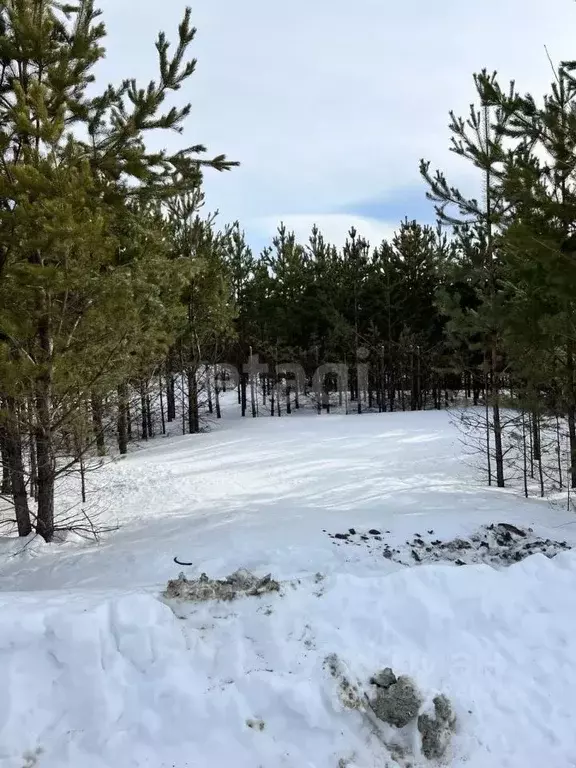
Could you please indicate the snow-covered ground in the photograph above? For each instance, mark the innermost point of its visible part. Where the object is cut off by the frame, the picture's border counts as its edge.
(99, 671)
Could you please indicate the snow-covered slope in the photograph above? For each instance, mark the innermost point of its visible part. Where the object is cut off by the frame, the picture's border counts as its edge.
(98, 671)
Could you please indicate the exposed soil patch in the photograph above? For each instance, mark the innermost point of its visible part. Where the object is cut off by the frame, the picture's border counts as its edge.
(239, 584)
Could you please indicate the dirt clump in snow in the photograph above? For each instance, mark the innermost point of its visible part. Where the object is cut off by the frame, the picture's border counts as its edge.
(398, 702)
(241, 583)
(499, 544)
(436, 730)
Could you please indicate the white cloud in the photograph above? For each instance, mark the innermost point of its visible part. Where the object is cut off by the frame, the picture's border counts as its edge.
(330, 102)
(334, 227)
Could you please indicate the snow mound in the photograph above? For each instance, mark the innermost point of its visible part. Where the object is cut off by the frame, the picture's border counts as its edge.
(496, 544)
(94, 680)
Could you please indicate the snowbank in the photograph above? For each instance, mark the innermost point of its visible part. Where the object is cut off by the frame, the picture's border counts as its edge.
(90, 681)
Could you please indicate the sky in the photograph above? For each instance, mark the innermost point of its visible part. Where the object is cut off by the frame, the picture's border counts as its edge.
(329, 105)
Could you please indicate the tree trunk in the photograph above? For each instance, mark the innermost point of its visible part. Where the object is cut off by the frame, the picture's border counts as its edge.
(193, 415)
(98, 423)
(44, 436)
(12, 440)
(524, 455)
(571, 412)
(123, 419)
(33, 486)
(6, 487)
(149, 413)
(209, 389)
(170, 394)
(242, 393)
(217, 395)
(559, 453)
(143, 415)
(162, 415)
(252, 394)
(498, 453)
(488, 441)
(572, 438)
(46, 462)
(536, 437)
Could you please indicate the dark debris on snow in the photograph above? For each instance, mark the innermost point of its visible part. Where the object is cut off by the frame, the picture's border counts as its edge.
(496, 544)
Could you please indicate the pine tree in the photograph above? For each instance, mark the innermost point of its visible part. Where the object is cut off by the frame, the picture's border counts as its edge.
(541, 279)
(479, 139)
(65, 199)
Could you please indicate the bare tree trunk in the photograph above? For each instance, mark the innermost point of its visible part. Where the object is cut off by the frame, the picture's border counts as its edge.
(98, 423)
(123, 419)
(44, 436)
(209, 389)
(252, 391)
(498, 453)
(183, 400)
(488, 448)
(193, 414)
(572, 439)
(217, 394)
(12, 440)
(128, 416)
(536, 436)
(170, 393)
(524, 455)
(162, 416)
(80, 448)
(6, 487)
(143, 418)
(149, 413)
(242, 393)
(33, 485)
(559, 453)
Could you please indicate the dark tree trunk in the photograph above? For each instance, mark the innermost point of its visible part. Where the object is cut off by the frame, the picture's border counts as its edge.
(498, 452)
(123, 419)
(209, 390)
(170, 395)
(128, 416)
(162, 415)
(536, 437)
(217, 396)
(252, 396)
(242, 393)
(143, 415)
(98, 423)
(6, 487)
(46, 477)
(45, 439)
(571, 413)
(149, 413)
(193, 413)
(572, 438)
(33, 488)
(12, 441)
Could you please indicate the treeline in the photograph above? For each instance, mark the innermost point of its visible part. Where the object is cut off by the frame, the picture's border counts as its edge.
(124, 307)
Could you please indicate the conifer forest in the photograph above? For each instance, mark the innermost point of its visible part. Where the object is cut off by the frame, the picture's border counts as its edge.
(126, 306)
